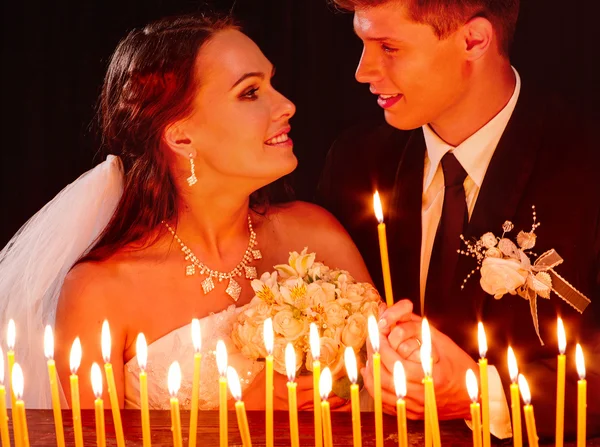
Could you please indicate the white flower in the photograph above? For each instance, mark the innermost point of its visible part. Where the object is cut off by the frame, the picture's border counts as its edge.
(266, 288)
(288, 326)
(493, 253)
(279, 356)
(526, 240)
(501, 276)
(331, 353)
(355, 332)
(249, 337)
(489, 240)
(335, 314)
(298, 264)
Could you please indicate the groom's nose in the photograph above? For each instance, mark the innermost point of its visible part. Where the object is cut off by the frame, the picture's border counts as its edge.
(368, 69)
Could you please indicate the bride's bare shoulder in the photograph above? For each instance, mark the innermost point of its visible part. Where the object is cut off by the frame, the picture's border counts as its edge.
(297, 215)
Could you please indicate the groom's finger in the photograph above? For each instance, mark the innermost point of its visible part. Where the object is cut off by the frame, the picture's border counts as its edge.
(403, 333)
(400, 311)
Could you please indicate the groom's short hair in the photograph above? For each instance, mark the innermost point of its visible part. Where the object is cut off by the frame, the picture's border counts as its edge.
(445, 16)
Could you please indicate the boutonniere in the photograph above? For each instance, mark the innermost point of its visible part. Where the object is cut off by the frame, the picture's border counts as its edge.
(506, 267)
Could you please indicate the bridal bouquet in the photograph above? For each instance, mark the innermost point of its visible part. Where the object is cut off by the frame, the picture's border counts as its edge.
(299, 293)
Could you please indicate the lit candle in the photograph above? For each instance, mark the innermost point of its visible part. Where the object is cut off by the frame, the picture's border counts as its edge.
(49, 353)
(290, 367)
(222, 367)
(4, 436)
(141, 349)
(383, 249)
(528, 409)
(268, 335)
(325, 384)
(581, 396)
(10, 355)
(174, 382)
(515, 400)
(560, 383)
(475, 410)
(400, 386)
(315, 348)
(18, 386)
(431, 416)
(197, 341)
(98, 405)
(483, 375)
(75, 361)
(240, 409)
(110, 383)
(352, 370)
(374, 337)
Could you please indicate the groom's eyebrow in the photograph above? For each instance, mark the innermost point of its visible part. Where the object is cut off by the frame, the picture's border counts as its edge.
(252, 74)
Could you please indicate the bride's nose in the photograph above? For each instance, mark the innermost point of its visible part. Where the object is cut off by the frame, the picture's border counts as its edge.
(284, 109)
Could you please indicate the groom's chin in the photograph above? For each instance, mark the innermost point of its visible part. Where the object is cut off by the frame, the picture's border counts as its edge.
(402, 121)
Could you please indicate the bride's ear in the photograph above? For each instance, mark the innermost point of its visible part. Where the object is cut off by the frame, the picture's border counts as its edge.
(177, 140)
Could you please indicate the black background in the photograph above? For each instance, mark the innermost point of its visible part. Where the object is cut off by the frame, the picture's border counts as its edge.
(54, 55)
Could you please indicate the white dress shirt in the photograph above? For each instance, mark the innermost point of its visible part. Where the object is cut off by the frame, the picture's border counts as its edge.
(474, 154)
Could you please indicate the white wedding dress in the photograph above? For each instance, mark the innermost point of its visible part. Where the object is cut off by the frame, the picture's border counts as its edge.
(177, 345)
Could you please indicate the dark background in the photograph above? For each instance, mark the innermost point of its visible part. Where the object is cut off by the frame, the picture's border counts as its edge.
(54, 55)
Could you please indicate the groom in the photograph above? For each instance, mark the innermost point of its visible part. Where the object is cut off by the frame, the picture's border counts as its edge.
(467, 146)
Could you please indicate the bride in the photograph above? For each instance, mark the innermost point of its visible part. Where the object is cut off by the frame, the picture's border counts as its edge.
(197, 135)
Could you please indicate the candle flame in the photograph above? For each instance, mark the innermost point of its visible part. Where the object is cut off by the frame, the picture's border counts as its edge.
(580, 361)
(472, 387)
(399, 380)
(350, 360)
(513, 369)
(325, 383)
(221, 358)
(48, 343)
(233, 381)
(315, 342)
(174, 378)
(141, 351)
(373, 332)
(524, 387)
(562, 338)
(11, 335)
(106, 342)
(1, 367)
(75, 357)
(290, 362)
(425, 347)
(196, 335)
(268, 335)
(17, 381)
(96, 380)
(377, 207)
(483, 347)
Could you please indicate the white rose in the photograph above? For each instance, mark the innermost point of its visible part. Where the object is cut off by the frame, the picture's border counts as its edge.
(355, 331)
(489, 240)
(493, 253)
(331, 352)
(289, 327)
(501, 276)
(279, 356)
(249, 339)
(335, 314)
(370, 308)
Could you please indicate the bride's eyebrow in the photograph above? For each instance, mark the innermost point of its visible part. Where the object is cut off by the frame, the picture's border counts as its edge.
(252, 74)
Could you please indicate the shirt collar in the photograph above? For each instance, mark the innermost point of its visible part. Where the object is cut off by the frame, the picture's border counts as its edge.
(475, 153)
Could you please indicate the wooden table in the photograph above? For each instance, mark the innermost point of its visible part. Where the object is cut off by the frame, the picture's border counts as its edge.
(41, 429)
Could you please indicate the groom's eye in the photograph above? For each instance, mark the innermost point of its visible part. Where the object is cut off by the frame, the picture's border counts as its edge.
(388, 49)
(249, 93)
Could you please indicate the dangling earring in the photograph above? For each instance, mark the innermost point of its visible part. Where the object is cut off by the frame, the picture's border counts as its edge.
(192, 179)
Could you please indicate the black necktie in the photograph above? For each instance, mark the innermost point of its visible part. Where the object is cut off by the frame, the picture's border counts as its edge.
(444, 257)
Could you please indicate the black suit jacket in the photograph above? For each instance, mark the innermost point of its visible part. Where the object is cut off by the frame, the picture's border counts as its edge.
(544, 158)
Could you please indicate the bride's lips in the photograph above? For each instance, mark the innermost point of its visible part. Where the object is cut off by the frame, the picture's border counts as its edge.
(387, 101)
(280, 139)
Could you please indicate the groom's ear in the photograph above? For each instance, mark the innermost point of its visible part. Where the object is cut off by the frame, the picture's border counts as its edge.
(478, 35)
(177, 140)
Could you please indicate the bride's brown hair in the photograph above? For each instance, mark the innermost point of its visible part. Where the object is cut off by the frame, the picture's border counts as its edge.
(150, 83)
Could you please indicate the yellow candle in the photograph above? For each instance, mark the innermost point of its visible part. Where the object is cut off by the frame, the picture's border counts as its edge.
(325, 383)
(560, 383)
(268, 336)
(49, 353)
(174, 382)
(431, 416)
(290, 367)
(222, 367)
(10, 355)
(515, 400)
(197, 341)
(483, 375)
(400, 386)
(475, 410)
(142, 357)
(110, 383)
(528, 410)
(22, 437)
(352, 370)
(383, 249)
(240, 409)
(315, 347)
(581, 397)
(4, 435)
(98, 405)
(75, 361)
(374, 337)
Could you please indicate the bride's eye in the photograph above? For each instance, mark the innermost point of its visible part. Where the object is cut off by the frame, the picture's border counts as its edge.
(250, 93)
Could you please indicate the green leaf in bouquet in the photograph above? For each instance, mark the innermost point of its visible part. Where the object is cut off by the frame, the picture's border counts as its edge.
(341, 386)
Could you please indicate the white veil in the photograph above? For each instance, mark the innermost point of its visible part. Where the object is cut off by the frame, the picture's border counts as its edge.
(34, 263)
